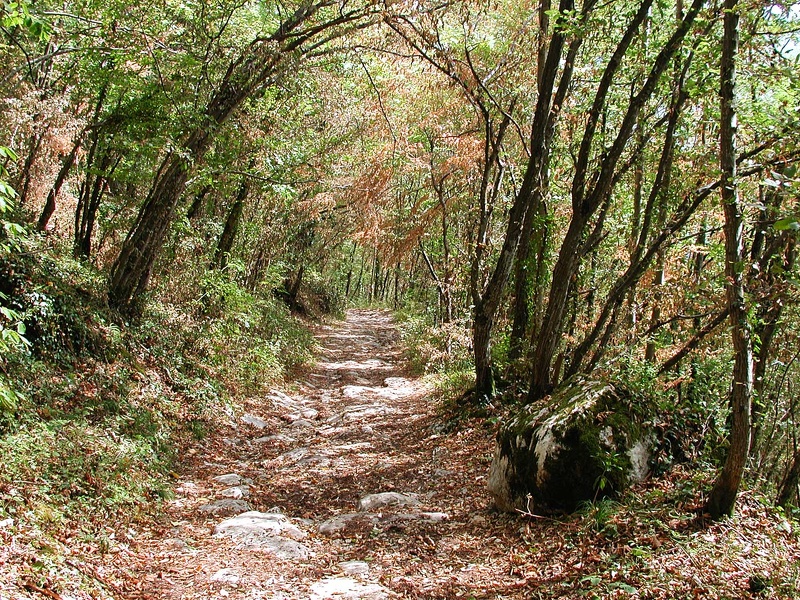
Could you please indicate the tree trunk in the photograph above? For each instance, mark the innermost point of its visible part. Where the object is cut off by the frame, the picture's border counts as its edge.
(550, 334)
(482, 349)
(196, 209)
(789, 485)
(89, 204)
(532, 245)
(722, 499)
(25, 176)
(258, 65)
(225, 243)
(52, 196)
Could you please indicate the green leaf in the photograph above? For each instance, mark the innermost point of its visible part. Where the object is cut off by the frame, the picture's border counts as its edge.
(787, 224)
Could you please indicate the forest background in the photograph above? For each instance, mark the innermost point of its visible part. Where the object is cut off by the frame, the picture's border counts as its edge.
(541, 191)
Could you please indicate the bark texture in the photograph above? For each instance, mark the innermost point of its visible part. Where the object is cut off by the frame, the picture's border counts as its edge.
(722, 499)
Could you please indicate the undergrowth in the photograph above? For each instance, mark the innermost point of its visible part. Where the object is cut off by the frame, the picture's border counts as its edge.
(94, 411)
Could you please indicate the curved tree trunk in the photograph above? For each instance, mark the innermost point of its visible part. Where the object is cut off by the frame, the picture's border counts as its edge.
(259, 64)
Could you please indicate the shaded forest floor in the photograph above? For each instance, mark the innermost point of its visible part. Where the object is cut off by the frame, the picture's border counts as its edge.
(360, 492)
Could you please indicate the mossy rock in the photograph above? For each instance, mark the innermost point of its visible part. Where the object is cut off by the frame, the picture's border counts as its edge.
(586, 441)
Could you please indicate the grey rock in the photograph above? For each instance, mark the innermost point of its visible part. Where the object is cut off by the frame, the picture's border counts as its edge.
(354, 567)
(284, 549)
(317, 460)
(229, 479)
(236, 492)
(255, 421)
(254, 524)
(279, 437)
(552, 455)
(226, 507)
(346, 588)
(294, 455)
(371, 502)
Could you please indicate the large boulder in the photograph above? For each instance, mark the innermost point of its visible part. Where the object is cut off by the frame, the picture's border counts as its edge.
(586, 441)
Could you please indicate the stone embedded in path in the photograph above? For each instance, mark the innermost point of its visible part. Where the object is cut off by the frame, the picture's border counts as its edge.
(226, 507)
(228, 576)
(283, 548)
(372, 501)
(433, 517)
(278, 437)
(258, 526)
(236, 492)
(359, 412)
(294, 455)
(230, 479)
(255, 421)
(346, 588)
(354, 567)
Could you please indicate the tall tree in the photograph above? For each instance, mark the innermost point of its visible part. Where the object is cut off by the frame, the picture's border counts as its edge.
(592, 187)
(722, 499)
(305, 32)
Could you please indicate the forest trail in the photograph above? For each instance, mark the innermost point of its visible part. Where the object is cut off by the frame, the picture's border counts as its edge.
(357, 494)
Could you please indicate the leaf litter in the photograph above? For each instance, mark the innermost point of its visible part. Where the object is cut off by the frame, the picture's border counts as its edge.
(373, 429)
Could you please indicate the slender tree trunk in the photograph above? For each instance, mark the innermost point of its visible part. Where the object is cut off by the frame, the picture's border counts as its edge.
(225, 243)
(722, 499)
(256, 67)
(655, 315)
(52, 196)
(25, 176)
(789, 489)
(482, 351)
(196, 209)
(531, 245)
(550, 333)
(350, 273)
(90, 204)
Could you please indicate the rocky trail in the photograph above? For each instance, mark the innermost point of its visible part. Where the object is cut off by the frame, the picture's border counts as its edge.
(342, 487)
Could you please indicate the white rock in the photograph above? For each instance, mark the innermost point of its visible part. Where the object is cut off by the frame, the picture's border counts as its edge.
(285, 439)
(354, 567)
(258, 524)
(346, 588)
(228, 576)
(236, 492)
(372, 501)
(255, 421)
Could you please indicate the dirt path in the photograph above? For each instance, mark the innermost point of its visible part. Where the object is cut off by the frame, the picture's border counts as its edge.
(355, 493)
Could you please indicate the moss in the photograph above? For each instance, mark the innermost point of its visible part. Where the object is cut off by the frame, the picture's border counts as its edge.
(573, 447)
